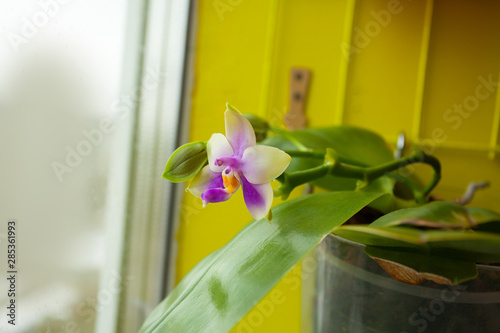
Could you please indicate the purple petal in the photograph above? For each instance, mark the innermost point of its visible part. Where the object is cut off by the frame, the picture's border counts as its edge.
(258, 198)
(239, 132)
(215, 195)
(206, 179)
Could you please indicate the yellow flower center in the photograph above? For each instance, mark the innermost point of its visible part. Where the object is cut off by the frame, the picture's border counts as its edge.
(231, 183)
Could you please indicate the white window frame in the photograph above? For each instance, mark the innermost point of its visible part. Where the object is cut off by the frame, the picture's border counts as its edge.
(144, 209)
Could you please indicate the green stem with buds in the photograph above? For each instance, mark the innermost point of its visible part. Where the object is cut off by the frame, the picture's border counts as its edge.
(315, 154)
(335, 167)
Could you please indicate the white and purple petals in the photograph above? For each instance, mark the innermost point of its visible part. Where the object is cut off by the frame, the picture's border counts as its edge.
(234, 159)
(209, 186)
(258, 198)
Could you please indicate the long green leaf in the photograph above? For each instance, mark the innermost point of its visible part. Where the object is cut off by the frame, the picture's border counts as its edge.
(481, 215)
(356, 144)
(475, 246)
(487, 220)
(227, 284)
(382, 236)
(439, 215)
(480, 247)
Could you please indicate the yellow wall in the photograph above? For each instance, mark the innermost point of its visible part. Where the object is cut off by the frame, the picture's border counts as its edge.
(403, 74)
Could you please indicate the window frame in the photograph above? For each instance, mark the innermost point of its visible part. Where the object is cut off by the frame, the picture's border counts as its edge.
(141, 222)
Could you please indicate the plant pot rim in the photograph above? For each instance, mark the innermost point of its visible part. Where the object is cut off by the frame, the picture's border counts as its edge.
(430, 291)
(353, 243)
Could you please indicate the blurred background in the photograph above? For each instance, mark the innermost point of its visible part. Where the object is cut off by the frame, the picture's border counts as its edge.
(61, 66)
(95, 95)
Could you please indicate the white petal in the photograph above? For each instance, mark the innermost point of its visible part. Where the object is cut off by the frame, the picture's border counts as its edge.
(205, 180)
(218, 147)
(239, 131)
(261, 164)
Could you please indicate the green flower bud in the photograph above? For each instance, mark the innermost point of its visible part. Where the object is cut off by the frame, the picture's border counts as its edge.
(186, 161)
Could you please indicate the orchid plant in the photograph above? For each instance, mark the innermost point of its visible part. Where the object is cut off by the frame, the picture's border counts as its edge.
(354, 168)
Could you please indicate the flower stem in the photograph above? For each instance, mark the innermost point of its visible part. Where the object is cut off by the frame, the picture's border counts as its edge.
(306, 153)
(291, 180)
(335, 167)
(317, 154)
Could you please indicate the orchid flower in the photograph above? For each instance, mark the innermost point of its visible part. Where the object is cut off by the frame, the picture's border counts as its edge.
(235, 160)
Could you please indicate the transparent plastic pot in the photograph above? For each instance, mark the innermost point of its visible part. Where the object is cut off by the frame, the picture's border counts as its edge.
(350, 293)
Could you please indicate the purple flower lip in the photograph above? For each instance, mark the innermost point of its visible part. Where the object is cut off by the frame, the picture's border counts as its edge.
(214, 195)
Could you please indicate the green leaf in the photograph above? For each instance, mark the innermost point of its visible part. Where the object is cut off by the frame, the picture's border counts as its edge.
(186, 161)
(413, 268)
(352, 144)
(487, 220)
(363, 147)
(260, 126)
(386, 203)
(438, 215)
(227, 284)
(481, 215)
(382, 236)
(467, 245)
(480, 247)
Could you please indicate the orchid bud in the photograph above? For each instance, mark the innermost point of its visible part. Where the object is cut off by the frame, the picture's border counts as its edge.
(186, 161)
